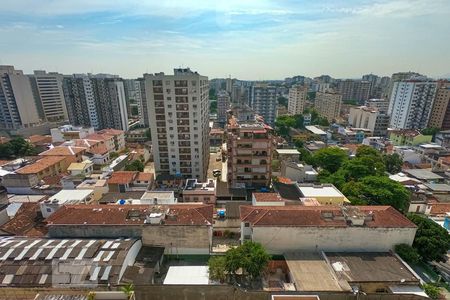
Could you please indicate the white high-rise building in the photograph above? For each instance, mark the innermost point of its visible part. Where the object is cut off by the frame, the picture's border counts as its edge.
(411, 103)
(17, 104)
(297, 99)
(178, 110)
(263, 100)
(49, 89)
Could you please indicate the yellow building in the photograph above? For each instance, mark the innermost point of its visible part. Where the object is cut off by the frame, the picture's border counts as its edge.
(325, 194)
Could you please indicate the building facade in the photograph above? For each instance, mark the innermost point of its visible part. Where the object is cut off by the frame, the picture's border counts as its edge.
(178, 110)
(49, 91)
(328, 105)
(297, 99)
(369, 118)
(263, 100)
(250, 147)
(18, 107)
(411, 103)
(223, 105)
(440, 114)
(133, 97)
(354, 90)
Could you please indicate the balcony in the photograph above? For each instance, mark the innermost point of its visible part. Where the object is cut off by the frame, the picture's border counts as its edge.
(158, 90)
(181, 91)
(182, 115)
(182, 107)
(183, 122)
(184, 144)
(181, 99)
(184, 137)
(157, 83)
(181, 83)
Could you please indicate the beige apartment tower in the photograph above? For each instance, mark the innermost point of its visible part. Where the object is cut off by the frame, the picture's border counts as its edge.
(178, 110)
(441, 106)
(297, 99)
(328, 105)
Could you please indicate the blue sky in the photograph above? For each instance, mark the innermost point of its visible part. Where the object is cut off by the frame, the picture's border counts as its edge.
(247, 39)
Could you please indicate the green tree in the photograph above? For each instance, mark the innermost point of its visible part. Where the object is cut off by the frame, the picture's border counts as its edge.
(217, 268)
(365, 150)
(407, 253)
(329, 158)
(212, 93)
(135, 165)
(283, 101)
(431, 241)
(213, 106)
(362, 166)
(433, 291)
(377, 190)
(128, 290)
(250, 257)
(17, 147)
(393, 163)
(430, 131)
(113, 155)
(6, 151)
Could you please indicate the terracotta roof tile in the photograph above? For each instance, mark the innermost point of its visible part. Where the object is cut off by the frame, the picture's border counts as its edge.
(111, 131)
(99, 137)
(267, 197)
(122, 177)
(63, 150)
(40, 139)
(181, 214)
(439, 209)
(304, 216)
(101, 149)
(26, 222)
(143, 176)
(40, 165)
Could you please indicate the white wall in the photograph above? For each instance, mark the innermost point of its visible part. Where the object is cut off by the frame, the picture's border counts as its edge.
(278, 240)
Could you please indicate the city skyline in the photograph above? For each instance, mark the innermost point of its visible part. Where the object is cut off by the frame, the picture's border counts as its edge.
(250, 40)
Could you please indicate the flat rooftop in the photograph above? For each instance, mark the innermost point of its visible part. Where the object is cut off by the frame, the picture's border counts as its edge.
(423, 174)
(369, 266)
(320, 191)
(287, 151)
(310, 272)
(315, 130)
(438, 187)
(71, 196)
(187, 275)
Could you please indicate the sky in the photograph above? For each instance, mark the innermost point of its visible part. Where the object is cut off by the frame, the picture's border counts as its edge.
(245, 39)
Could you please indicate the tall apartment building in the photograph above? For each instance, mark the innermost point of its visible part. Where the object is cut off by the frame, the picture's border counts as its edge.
(440, 114)
(96, 101)
(354, 90)
(144, 102)
(369, 118)
(263, 100)
(250, 147)
(178, 110)
(223, 105)
(134, 99)
(297, 99)
(48, 89)
(18, 107)
(382, 105)
(411, 103)
(328, 105)
(400, 76)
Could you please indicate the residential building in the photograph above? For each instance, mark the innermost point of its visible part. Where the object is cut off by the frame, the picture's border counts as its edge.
(204, 192)
(118, 137)
(250, 146)
(351, 89)
(223, 105)
(408, 137)
(297, 99)
(328, 105)
(96, 101)
(126, 181)
(411, 103)
(440, 114)
(442, 138)
(180, 228)
(298, 172)
(382, 105)
(69, 132)
(325, 194)
(287, 155)
(178, 109)
(294, 228)
(65, 197)
(49, 92)
(133, 96)
(369, 118)
(84, 168)
(400, 76)
(263, 100)
(18, 107)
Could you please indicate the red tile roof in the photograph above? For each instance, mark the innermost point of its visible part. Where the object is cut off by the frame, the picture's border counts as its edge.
(180, 214)
(101, 149)
(26, 222)
(122, 177)
(311, 216)
(439, 209)
(63, 150)
(40, 139)
(99, 137)
(267, 197)
(40, 165)
(111, 131)
(143, 176)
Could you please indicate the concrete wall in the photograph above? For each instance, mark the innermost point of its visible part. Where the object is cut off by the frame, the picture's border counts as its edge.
(278, 240)
(179, 239)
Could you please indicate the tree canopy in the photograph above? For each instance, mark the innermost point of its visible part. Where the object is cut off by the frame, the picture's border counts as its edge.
(250, 258)
(329, 158)
(393, 163)
(283, 101)
(432, 241)
(17, 147)
(135, 165)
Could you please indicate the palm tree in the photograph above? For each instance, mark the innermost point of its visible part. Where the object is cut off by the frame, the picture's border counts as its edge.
(128, 290)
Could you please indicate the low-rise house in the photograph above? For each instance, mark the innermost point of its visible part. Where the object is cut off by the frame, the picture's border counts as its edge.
(424, 175)
(298, 172)
(65, 197)
(84, 168)
(124, 181)
(442, 138)
(287, 155)
(100, 187)
(69, 132)
(118, 137)
(282, 229)
(142, 154)
(157, 197)
(100, 155)
(408, 137)
(325, 194)
(204, 192)
(267, 199)
(73, 154)
(105, 140)
(180, 228)
(137, 135)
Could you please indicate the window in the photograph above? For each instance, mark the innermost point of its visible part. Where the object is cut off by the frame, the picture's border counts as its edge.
(49, 209)
(246, 224)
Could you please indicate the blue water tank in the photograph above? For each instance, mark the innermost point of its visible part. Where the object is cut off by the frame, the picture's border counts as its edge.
(122, 201)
